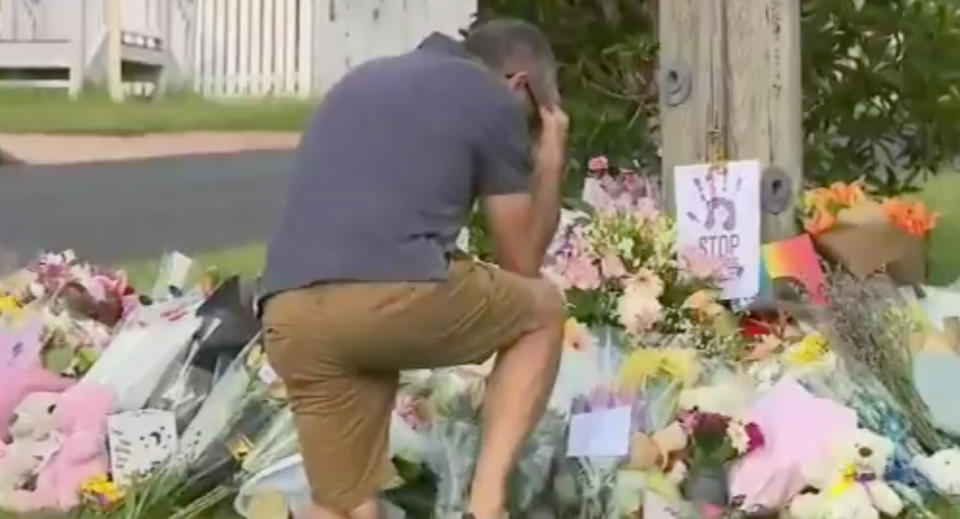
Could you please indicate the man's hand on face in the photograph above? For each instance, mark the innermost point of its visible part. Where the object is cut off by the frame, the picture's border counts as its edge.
(552, 145)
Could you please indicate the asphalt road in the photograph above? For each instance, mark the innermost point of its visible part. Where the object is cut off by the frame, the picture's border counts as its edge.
(139, 209)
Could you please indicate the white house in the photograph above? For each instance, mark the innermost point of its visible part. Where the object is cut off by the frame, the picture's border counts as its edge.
(217, 47)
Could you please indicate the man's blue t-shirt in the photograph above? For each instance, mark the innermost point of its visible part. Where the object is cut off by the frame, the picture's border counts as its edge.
(389, 168)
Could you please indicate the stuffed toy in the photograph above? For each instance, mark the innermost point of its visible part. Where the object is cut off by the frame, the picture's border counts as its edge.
(729, 397)
(15, 385)
(942, 470)
(33, 440)
(656, 450)
(849, 481)
(81, 423)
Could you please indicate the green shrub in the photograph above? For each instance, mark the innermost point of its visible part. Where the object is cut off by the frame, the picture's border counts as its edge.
(880, 80)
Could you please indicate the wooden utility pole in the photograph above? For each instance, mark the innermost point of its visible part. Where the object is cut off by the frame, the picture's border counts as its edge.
(114, 50)
(730, 83)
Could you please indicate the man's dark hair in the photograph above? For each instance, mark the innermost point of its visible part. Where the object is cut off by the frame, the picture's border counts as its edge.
(508, 46)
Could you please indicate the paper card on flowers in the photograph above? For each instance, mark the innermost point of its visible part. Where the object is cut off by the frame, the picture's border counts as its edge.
(657, 507)
(603, 433)
(20, 346)
(718, 212)
(140, 442)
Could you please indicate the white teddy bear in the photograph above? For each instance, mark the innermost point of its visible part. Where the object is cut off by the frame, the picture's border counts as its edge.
(942, 469)
(849, 480)
(32, 430)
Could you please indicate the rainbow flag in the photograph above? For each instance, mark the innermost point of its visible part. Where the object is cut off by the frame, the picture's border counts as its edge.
(795, 258)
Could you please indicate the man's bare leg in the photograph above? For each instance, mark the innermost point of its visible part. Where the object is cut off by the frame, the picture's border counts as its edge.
(368, 510)
(516, 395)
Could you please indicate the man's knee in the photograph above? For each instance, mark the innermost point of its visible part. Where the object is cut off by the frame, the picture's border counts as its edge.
(551, 307)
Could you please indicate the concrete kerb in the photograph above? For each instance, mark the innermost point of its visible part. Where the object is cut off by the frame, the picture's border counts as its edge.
(46, 149)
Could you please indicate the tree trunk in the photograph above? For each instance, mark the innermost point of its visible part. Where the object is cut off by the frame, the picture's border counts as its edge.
(740, 62)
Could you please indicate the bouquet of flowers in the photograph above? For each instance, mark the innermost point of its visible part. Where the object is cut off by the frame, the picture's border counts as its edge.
(586, 487)
(714, 441)
(237, 419)
(865, 234)
(620, 267)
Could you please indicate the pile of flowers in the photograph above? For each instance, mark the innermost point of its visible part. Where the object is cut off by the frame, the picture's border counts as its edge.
(833, 411)
(826, 207)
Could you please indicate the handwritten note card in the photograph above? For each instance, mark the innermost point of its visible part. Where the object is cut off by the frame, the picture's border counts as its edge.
(718, 212)
(140, 442)
(601, 433)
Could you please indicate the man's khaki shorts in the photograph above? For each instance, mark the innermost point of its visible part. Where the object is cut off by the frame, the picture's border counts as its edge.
(339, 348)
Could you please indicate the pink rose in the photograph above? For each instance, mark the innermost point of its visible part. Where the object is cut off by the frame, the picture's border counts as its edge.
(598, 165)
(582, 274)
(612, 267)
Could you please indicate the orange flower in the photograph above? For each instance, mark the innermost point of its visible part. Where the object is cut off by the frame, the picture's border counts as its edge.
(820, 222)
(911, 217)
(848, 195)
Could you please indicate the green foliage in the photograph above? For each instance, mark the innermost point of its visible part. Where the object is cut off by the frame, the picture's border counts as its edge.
(880, 78)
(880, 89)
(607, 52)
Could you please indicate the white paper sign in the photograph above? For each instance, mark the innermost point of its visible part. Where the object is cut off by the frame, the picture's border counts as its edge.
(604, 433)
(656, 507)
(140, 442)
(718, 212)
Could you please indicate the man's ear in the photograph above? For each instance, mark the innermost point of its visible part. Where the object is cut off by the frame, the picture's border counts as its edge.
(518, 81)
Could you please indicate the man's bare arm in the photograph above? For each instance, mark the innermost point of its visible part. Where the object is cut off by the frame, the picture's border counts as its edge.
(523, 225)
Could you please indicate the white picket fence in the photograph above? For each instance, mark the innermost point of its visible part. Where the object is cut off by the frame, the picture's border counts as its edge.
(301, 47)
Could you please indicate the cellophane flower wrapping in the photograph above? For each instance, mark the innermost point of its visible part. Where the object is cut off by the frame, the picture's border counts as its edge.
(456, 444)
(586, 487)
(532, 473)
(183, 388)
(451, 422)
(234, 422)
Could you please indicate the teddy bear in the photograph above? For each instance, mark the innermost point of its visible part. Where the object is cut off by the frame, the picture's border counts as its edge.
(942, 469)
(730, 397)
(15, 385)
(656, 450)
(848, 480)
(33, 440)
(81, 423)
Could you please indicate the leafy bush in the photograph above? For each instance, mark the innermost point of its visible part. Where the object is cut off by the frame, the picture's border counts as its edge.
(607, 50)
(880, 79)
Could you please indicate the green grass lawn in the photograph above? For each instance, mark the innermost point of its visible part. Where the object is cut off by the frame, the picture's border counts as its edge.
(245, 260)
(52, 111)
(941, 193)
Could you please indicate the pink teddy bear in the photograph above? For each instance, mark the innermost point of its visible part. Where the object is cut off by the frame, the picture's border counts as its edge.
(16, 384)
(81, 418)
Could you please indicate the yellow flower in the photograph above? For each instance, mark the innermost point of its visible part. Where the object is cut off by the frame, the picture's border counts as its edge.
(643, 364)
(10, 307)
(810, 349)
(94, 482)
(105, 491)
(575, 334)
